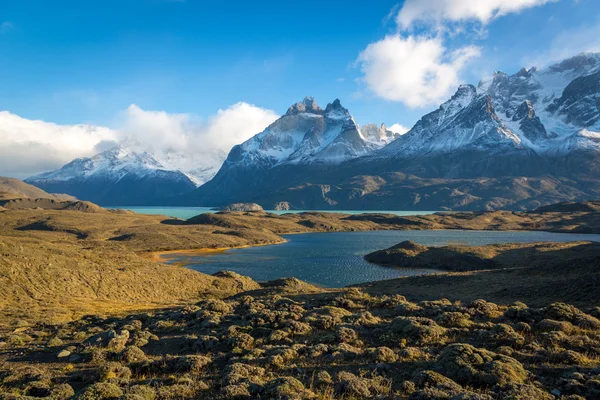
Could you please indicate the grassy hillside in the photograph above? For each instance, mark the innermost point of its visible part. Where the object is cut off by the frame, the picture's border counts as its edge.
(535, 273)
(87, 314)
(60, 264)
(11, 188)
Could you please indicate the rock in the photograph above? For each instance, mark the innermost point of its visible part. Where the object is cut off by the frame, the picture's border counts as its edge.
(63, 354)
(282, 206)
(243, 207)
(110, 340)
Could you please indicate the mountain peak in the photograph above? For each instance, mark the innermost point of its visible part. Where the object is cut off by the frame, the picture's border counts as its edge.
(581, 63)
(307, 105)
(336, 110)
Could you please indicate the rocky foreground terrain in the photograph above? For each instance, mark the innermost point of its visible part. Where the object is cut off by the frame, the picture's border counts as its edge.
(280, 343)
(86, 312)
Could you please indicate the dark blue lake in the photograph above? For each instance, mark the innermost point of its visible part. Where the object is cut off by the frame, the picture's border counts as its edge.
(336, 259)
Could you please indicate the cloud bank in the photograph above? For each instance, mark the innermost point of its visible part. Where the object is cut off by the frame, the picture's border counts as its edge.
(414, 70)
(437, 12)
(29, 147)
(419, 69)
(398, 128)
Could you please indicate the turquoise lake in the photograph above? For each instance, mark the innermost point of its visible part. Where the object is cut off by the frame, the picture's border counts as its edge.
(336, 259)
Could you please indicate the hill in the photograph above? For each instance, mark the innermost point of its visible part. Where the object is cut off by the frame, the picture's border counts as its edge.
(11, 188)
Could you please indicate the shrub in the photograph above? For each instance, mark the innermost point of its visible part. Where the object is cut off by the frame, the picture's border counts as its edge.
(285, 388)
(518, 391)
(192, 363)
(454, 320)
(418, 329)
(352, 385)
(384, 354)
(133, 354)
(346, 335)
(566, 312)
(144, 392)
(503, 335)
(549, 325)
(55, 342)
(114, 371)
(482, 308)
(62, 391)
(101, 391)
(216, 306)
(469, 365)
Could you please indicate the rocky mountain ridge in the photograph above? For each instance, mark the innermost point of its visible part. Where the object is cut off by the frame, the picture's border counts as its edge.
(119, 176)
(513, 141)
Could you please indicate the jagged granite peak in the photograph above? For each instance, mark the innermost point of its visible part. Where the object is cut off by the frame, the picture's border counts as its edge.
(530, 124)
(467, 121)
(307, 105)
(378, 135)
(581, 64)
(579, 103)
(515, 141)
(305, 134)
(533, 109)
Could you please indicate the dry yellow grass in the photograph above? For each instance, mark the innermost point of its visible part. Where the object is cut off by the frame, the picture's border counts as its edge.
(56, 264)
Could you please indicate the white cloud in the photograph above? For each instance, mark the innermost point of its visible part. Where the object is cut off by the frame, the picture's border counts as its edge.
(438, 12)
(398, 128)
(415, 70)
(29, 147)
(204, 144)
(415, 66)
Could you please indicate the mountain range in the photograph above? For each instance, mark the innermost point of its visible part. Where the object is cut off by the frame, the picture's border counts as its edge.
(512, 141)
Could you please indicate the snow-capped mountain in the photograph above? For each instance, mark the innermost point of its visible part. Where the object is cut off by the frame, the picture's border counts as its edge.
(305, 134)
(513, 141)
(552, 111)
(199, 167)
(378, 136)
(122, 175)
(306, 138)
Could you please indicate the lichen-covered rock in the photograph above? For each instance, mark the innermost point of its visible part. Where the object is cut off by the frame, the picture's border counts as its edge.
(242, 207)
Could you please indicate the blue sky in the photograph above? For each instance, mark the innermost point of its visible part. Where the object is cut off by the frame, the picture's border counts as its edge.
(86, 61)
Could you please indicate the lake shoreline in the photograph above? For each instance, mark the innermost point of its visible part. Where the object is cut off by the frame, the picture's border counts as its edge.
(338, 260)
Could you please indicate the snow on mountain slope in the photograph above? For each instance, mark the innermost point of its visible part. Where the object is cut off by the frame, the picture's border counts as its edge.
(129, 159)
(305, 134)
(550, 111)
(122, 175)
(378, 136)
(466, 121)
